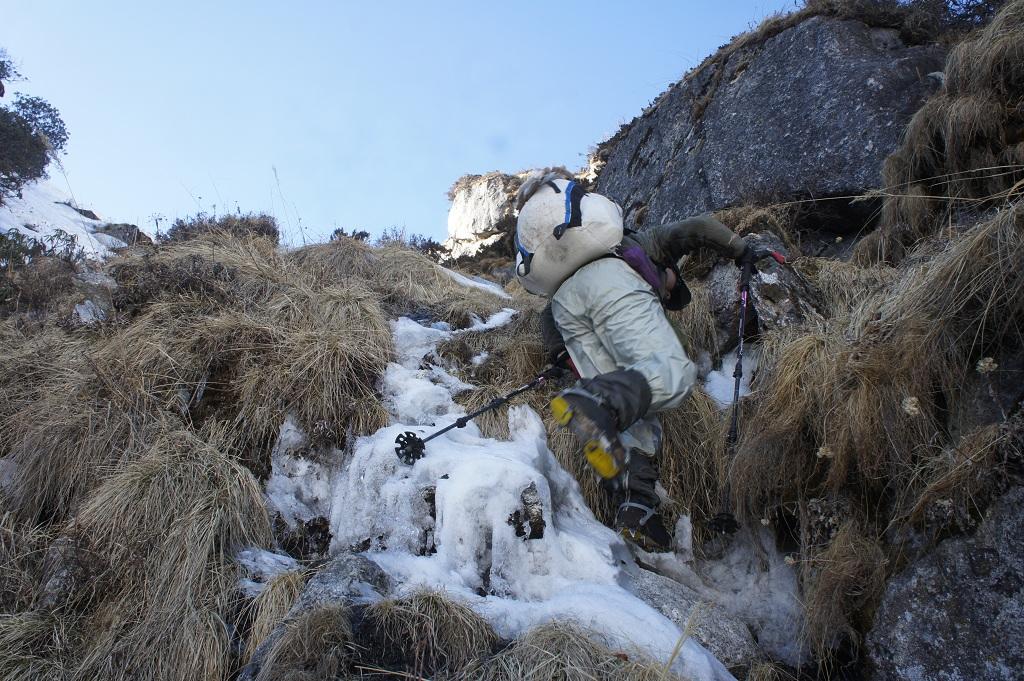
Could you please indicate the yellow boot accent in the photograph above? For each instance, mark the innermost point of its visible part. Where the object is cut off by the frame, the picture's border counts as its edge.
(600, 460)
(561, 410)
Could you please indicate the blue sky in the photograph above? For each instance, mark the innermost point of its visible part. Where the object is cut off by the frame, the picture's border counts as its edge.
(368, 111)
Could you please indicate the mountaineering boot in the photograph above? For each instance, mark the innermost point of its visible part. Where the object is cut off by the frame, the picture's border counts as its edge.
(644, 527)
(595, 427)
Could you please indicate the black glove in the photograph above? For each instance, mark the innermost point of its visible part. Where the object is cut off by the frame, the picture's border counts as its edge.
(753, 255)
(746, 256)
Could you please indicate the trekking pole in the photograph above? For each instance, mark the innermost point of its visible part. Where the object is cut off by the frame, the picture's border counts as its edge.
(724, 522)
(410, 447)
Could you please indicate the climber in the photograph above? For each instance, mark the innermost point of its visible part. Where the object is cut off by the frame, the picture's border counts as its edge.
(608, 288)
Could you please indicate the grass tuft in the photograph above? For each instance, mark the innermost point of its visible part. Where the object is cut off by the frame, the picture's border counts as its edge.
(316, 645)
(427, 633)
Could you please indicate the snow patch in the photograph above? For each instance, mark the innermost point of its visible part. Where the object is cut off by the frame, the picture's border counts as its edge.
(445, 522)
(494, 321)
(752, 582)
(89, 313)
(477, 282)
(261, 566)
(720, 383)
(298, 488)
(41, 211)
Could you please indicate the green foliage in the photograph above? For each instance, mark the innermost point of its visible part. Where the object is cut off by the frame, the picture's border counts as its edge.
(31, 129)
(8, 71)
(249, 224)
(23, 153)
(424, 244)
(358, 235)
(44, 120)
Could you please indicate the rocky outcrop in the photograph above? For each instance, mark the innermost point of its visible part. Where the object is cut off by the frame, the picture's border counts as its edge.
(346, 579)
(779, 294)
(810, 112)
(958, 612)
(129, 235)
(93, 301)
(724, 635)
(482, 212)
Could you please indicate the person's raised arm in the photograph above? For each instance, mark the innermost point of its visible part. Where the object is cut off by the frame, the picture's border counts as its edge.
(670, 242)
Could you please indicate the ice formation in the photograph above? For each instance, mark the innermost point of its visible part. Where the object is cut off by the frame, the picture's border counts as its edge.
(447, 521)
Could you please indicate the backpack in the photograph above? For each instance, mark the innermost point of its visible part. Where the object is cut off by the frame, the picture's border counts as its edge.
(560, 229)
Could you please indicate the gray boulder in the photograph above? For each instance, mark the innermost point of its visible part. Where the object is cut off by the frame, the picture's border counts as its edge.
(780, 295)
(482, 212)
(94, 298)
(129, 235)
(810, 112)
(724, 635)
(958, 612)
(348, 579)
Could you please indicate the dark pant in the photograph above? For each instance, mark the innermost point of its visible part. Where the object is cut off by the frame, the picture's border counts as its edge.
(636, 483)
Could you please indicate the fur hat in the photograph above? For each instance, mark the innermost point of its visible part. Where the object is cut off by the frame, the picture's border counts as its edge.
(537, 179)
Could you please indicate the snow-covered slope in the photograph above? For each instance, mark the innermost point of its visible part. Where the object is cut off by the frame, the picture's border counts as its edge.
(42, 210)
(467, 545)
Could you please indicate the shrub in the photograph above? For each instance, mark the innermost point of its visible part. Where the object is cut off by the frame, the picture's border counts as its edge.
(44, 119)
(358, 235)
(249, 224)
(23, 153)
(8, 71)
(426, 633)
(396, 236)
(35, 272)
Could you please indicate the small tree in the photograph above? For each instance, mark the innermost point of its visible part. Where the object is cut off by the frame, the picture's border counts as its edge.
(249, 224)
(23, 153)
(358, 235)
(44, 119)
(31, 132)
(8, 71)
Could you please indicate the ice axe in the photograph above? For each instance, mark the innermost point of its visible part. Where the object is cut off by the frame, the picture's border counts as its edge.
(410, 447)
(724, 522)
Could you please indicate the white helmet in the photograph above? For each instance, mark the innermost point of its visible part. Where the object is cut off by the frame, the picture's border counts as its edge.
(560, 229)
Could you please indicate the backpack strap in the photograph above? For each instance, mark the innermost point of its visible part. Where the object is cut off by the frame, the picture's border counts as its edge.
(574, 194)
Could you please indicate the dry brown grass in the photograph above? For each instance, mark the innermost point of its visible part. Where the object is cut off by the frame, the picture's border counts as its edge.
(264, 340)
(964, 147)
(22, 549)
(405, 280)
(769, 671)
(133, 439)
(268, 610)
(167, 527)
(778, 219)
(219, 266)
(692, 459)
(955, 481)
(841, 583)
(568, 652)
(427, 634)
(316, 645)
(846, 387)
(857, 407)
(843, 286)
(63, 444)
(695, 324)
(34, 646)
